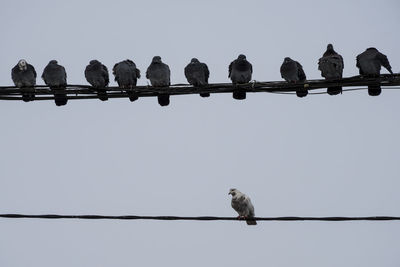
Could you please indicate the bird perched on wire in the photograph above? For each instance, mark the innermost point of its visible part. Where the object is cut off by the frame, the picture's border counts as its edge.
(126, 75)
(242, 204)
(197, 74)
(293, 72)
(331, 66)
(369, 62)
(55, 77)
(240, 71)
(97, 75)
(24, 77)
(159, 75)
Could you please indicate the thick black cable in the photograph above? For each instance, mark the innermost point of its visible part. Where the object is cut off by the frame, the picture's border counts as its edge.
(279, 87)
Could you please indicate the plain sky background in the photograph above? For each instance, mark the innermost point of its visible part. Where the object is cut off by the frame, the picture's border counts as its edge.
(318, 156)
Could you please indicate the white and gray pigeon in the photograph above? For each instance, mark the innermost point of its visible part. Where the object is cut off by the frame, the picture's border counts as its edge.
(331, 66)
(240, 71)
(159, 75)
(55, 77)
(369, 62)
(24, 77)
(97, 75)
(197, 74)
(242, 204)
(126, 75)
(293, 72)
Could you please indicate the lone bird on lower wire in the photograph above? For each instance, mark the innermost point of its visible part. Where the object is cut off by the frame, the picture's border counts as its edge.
(24, 77)
(55, 77)
(97, 75)
(369, 62)
(242, 204)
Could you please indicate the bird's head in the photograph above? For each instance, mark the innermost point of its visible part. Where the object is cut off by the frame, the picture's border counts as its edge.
(94, 61)
(287, 60)
(194, 60)
(156, 59)
(233, 191)
(53, 61)
(241, 57)
(329, 47)
(22, 65)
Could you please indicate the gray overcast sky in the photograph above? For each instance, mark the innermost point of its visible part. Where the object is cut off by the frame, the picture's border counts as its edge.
(317, 156)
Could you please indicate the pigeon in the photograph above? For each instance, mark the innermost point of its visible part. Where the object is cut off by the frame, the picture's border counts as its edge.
(97, 75)
(126, 75)
(242, 204)
(293, 72)
(369, 62)
(24, 77)
(197, 74)
(55, 77)
(240, 71)
(331, 66)
(159, 75)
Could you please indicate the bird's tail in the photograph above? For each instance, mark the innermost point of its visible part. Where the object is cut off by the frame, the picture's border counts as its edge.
(60, 97)
(251, 222)
(28, 94)
(201, 85)
(204, 94)
(334, 90)
(132, 96)
(301, 92)
(374, 90)
(102, 94)
(239, 94)
(163, 100)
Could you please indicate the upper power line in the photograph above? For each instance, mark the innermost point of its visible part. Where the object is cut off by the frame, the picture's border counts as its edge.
(197, 74)
(43, 92)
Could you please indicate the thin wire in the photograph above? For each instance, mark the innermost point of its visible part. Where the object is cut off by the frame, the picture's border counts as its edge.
(199, 218)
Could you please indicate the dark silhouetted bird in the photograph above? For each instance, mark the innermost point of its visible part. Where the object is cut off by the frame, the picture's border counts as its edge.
(197, 74)
(293, 72)
(240, 71)
(126, 75)
(24, 77)
(97, 75)
(55, 77)
(242, 204)
(369, 62)
(331, 66)
(159, 75)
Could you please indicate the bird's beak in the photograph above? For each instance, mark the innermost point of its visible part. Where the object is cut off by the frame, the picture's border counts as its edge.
(230, 193)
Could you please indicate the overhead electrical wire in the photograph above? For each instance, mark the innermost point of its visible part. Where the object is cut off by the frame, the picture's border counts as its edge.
(42, 92)
(197, 218)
